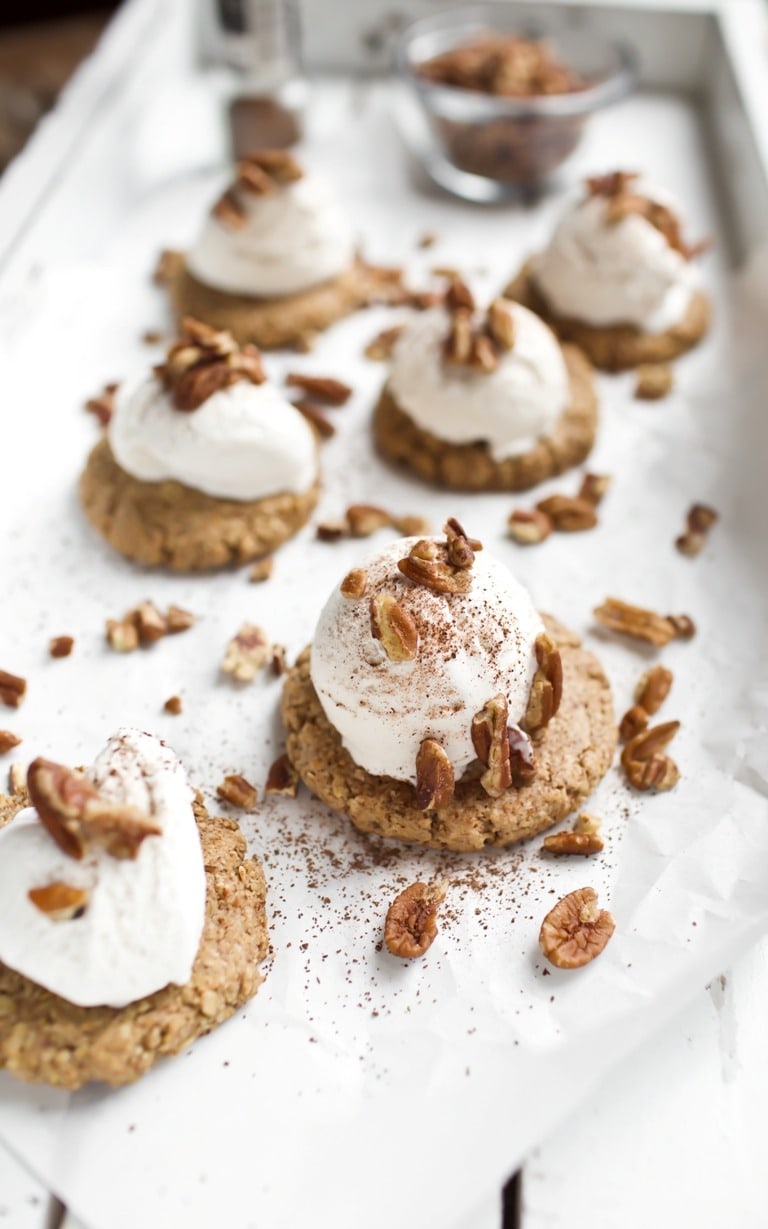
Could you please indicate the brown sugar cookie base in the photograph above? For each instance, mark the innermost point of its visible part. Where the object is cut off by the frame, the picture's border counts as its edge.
(166, 523)
(573, 755)
(270, 323)
(620, 346)
(45, 1039)
(470, 467)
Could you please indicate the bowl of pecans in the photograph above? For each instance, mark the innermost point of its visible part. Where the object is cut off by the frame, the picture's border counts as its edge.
(506, 104)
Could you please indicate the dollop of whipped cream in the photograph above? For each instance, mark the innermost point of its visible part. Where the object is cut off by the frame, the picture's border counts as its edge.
(143, 919)
(290, 240)
(471, 648)
(244, 442)
(509, 409)
(614, 272)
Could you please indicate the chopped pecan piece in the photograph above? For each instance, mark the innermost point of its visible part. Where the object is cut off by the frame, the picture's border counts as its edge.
(394, 627)
(457, 347)
(278, 164)
(568, 513)
(635, 621)
(261, 570)
(325, 388)
(427, 564)
(365, 519)
(522, 757)
(61, 646)
(103, 405)
(634, 721)
(149, 622)
(653, 381)
(13, 688)
(572, 842)
(653, 688)
(168, 264)
(61, 902)
(576, 930)
(587, 823)
(77, 817)
(229, 211)
(460, 549)
(173, 705)
(122, 635)
(354, 584)
(411, 922)
(8, 740)
(683, 625)
(315, 417)
(434, 776)
(458, 296)
(332, 531)
(17, 777)
(278, 664)
(238, 792)
(594, 487)
(546, 688)
(699, 521)
(205, 361)
(412, 526)
(380, 347)
(528, 527)
(615, 183)
(644, 760)
(500, 323)
(282, 778)
(490, 740)
(247, 653)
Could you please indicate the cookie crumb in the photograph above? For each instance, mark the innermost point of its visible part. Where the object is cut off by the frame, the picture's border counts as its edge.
(238, 792)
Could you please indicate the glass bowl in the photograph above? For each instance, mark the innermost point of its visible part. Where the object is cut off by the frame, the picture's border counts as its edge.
(497, 144)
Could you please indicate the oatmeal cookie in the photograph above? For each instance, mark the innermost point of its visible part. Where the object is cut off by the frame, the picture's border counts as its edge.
(573, 754)
(470, 467)
(169, 524)
(45, 1039)
(616, 347)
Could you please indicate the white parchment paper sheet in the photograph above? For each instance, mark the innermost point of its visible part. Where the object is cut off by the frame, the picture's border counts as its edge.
(355, 1090)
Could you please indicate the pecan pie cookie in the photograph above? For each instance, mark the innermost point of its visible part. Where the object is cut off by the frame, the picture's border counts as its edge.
(203, 464)
(435, 705)
(485, 401)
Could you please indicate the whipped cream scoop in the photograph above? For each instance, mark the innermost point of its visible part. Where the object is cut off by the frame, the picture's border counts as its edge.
(287, 241)
(606, 272)
(244, 442)
(509, 408)
(141, 926)
(472, 647)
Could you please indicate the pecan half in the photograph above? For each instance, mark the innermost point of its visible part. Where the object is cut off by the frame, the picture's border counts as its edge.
(61, 902)
(635, 621)
(569, 513)
(491, 743)
(247, 653)
(354, 584)
(13, 688)
(394, 627)
(61, 646)
(325, 388)
(572, 842)
(8, 740)
(546, 688)
(576, 930)
(77, 817)
(653, 381)
(411, 922)
(528, 527)
(644, 760)
(594, 487)
(434, 776)
(238, 792)
(282, 778)
(365, 519)
(653, 688)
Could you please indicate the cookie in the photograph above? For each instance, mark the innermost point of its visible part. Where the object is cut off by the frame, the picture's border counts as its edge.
(45, 1039)
(573, 754)
(470, 467)
(616, 347)
(168, 524)
(270, 323)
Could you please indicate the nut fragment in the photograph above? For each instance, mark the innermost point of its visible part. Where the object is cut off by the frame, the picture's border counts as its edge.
(528, 527)
(365, 519)
(325, 388)
(149, 622)
(522, 757)
(173, 705)
(8, 740)
(644, 762)
(77, 817)
(654, 381)
(411, 923)
(331, 531)
(568, 513)
(500, 323)
(434, 776)
(354, 584)
(634, 721)
(491, 743)
(576, 930)
(262, 570)
(204, 361)
(653, 688)
(594, 487)
(546, 688)
(122, 635)
(59, 901)
(426, 564)
(380, 347)
(247, 653)
(235, 790)
(572, 842)
(394, 627)
(412, 526)
(61, 646)
(282, 778)
(13, 688)
(315, 417)
(102, 406)
(168, 264)
(635, 621)
(587, 823)
(699, 521)
(278, 664)
(458, 296)
(17, 777)
(145, 625)
(683, 626)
